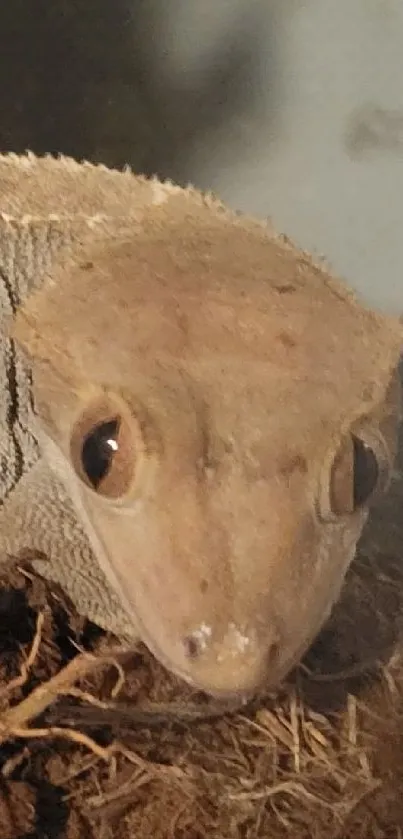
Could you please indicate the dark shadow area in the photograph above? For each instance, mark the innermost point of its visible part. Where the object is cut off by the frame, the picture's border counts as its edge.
(62, 66)
(75, 78)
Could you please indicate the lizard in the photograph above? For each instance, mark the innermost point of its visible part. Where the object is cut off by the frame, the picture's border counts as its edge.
(195, 417)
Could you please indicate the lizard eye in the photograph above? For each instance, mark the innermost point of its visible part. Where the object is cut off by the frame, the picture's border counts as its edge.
(105, 447)
(359, 472)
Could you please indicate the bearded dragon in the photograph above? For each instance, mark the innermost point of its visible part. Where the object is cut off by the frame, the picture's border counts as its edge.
(195, 417)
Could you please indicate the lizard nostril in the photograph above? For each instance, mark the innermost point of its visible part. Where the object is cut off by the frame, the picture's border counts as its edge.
(192, 646)
(197, 641)
(273, 655)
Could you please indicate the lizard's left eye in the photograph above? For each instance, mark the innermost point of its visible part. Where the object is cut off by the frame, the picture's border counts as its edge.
(105, 447)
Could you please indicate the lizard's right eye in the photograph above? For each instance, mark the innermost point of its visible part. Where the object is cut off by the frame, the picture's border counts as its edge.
(105, 449)
(359, 473)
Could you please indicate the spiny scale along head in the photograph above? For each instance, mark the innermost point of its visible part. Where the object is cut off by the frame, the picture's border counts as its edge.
(222, 413)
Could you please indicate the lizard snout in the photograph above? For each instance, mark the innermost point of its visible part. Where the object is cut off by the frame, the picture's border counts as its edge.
(234, 664)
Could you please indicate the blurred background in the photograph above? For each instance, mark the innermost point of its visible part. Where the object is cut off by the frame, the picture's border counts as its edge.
(287, 109)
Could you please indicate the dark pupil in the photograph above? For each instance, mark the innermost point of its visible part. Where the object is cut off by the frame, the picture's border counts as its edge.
(366, 472)
(98, 451)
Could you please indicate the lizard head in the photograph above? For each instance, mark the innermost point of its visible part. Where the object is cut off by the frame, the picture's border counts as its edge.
(222, 414)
